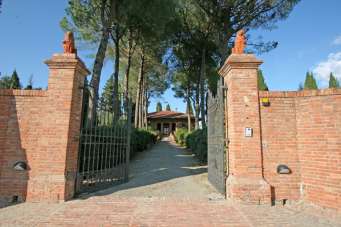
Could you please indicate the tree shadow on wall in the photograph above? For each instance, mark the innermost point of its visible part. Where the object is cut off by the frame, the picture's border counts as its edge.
(13, 158)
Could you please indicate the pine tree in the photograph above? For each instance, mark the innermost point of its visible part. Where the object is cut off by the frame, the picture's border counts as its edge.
(333, 82)
(158, 107)
(168, 108)
(261, 82)
(15, 81)
(310, 82)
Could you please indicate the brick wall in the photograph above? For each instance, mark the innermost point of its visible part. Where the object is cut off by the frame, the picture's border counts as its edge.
(279, 144)
(303, 131)
(41, 128)
(20, 129)
(319, 147)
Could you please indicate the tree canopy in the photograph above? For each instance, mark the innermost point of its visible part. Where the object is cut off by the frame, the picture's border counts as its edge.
(157, 44)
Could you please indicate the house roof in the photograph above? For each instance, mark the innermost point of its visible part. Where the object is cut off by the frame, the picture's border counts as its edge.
(165, 114)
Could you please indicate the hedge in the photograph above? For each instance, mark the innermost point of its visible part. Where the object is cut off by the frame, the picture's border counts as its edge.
(180, 136)
(196, 141)
(140, 139)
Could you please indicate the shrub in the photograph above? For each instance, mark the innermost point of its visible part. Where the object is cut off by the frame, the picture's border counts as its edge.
(196, 141)
(180, 136)
(140, 139)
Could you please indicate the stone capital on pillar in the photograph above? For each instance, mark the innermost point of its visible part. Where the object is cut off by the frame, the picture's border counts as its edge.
(245, 180)
(67, 61)
(240, 61)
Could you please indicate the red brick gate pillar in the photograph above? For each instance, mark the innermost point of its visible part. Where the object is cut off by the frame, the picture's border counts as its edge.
(54, 178)
(245, 180)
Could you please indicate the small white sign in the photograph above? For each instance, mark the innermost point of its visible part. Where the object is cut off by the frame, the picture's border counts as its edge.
(248, 132)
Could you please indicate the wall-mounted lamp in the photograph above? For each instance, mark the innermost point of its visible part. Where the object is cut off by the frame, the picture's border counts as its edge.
(283, 169)
(265, 101)
(20, 166)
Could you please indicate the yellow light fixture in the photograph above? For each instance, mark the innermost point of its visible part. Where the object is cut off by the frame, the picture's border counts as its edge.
(265, 101)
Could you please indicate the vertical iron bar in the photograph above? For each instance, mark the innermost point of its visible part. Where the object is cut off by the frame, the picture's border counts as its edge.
(128, 125)
(103, 146)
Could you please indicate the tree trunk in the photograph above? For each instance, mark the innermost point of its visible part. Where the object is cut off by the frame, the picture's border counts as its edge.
(145, 113)
(116, 103)
(138, 95)
(188, 111)
(126, 86)
(197, 107)
(96, 73)
(202, 88)
(142, 103)
(99, 60)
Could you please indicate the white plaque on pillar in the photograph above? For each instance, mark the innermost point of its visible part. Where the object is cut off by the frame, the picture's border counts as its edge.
(248, 132)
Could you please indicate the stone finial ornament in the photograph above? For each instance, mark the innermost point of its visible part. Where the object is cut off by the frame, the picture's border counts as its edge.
(69, 44)
(239, 43)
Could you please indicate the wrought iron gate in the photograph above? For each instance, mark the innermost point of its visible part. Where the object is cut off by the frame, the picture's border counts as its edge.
(216, 139)
(103, 157)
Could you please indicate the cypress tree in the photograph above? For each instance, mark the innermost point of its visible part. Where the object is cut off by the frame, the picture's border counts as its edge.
(333, 82)
(158, 107)
(15, 81)
(314, 83)
(310, 82)
(261, 82)
(107, 97)
(168, 108)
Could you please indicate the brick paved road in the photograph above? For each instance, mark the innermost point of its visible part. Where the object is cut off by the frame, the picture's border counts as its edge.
(157, 201)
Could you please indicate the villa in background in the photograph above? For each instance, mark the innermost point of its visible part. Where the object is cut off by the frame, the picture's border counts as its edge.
(167, 122)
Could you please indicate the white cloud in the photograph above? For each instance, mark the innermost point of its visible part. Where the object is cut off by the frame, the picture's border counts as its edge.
(324, 68)
(337, 40)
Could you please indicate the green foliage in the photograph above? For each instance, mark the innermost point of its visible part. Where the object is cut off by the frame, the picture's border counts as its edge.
(158, 107)
(168, 108)
(196, 141)
(140, 139)
(181, 136)
(5, 82)
(30, 83)
(107, 94)
(310, 82)
(12, 82)
(261, 82)
(333, 82)
(15, 81)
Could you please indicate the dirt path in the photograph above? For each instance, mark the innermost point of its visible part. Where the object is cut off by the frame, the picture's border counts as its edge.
(165, 170)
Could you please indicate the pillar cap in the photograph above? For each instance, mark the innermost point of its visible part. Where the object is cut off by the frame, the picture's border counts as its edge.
(241, 61)
(67, 61)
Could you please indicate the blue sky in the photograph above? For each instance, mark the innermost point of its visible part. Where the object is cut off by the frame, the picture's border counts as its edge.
(310, 39)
